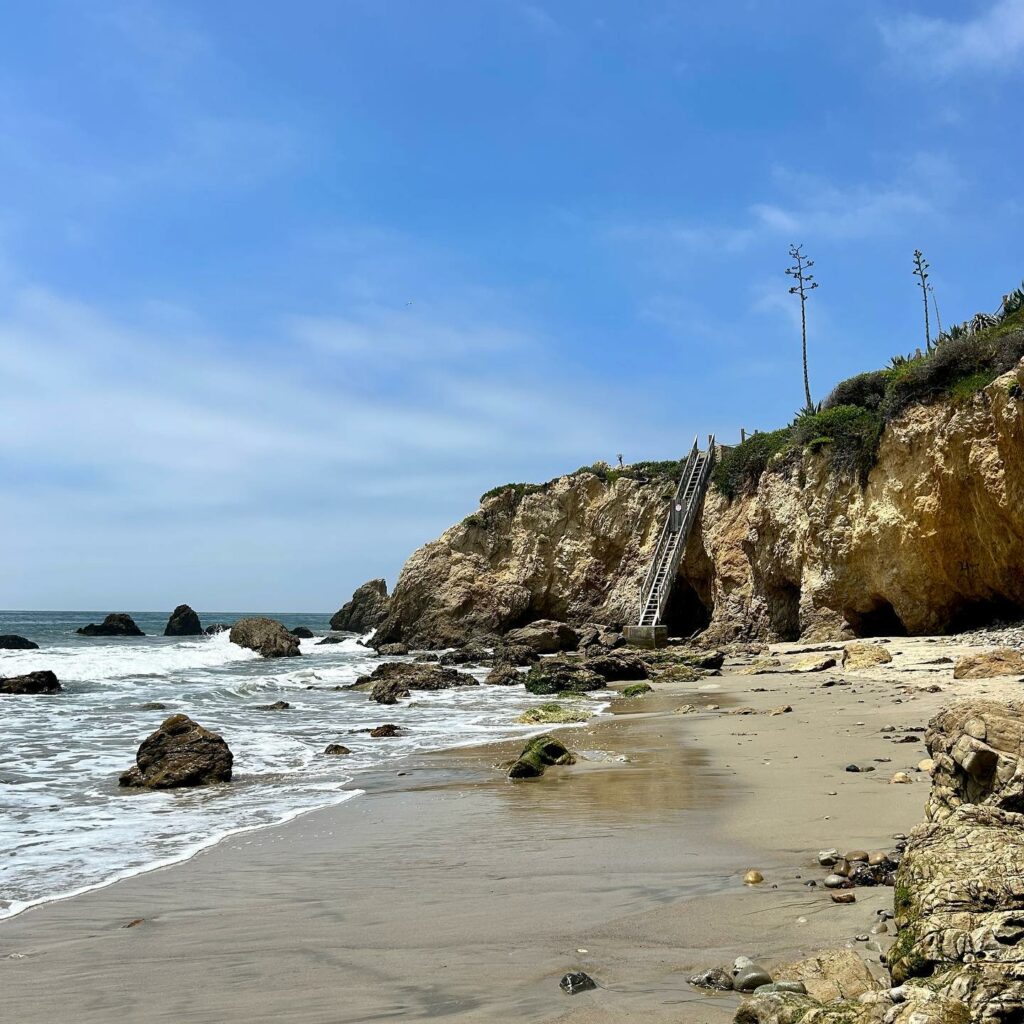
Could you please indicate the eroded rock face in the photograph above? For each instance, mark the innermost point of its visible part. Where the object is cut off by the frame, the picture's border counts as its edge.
(116, 624)
(32, 683)
(366, 610)
(180, 753)
(267, 637)
(183, 622)
(574, 552)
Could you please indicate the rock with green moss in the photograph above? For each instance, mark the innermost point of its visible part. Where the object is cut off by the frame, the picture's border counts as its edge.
(678, 673)
(540, 753)
(616, 666)
(553, 714)
(637, 690)
(550, 676)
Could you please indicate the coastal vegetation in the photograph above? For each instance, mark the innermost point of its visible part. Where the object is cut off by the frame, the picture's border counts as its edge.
(847, 427)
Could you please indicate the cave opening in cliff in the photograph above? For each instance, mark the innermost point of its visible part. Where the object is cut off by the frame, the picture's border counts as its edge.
(880, 619)
(783, 600)
(980, 612)
(686, 613)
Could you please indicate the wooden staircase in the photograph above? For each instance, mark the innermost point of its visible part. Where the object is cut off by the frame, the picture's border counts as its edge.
(693, 484)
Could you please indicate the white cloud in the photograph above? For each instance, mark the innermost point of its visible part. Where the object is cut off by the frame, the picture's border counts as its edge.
(989, 42)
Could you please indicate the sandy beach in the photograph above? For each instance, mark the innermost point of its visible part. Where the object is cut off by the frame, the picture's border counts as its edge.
(447, 893)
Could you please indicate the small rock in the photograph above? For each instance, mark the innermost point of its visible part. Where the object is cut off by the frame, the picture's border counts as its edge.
(927, 765)
(386, 730)
(857, 855)
(747, 976)
(844, 897)
(753, 877)
(336, 750)
(826, 858)
(11, 642)
(717, 979)
(34, 683)
(837, 882)
(900, 778)
(575, 982)
(302, 632)
(278, 705)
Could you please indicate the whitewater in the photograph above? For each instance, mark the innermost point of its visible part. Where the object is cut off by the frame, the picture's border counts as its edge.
(65, 824)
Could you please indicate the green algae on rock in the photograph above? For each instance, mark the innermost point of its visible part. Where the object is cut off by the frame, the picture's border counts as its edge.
(540, 753)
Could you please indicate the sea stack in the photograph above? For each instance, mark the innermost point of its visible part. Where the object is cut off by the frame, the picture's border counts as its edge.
(183, 622)
(116, 624)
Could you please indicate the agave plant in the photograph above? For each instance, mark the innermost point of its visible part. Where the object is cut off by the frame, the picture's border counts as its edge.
(1013, 302)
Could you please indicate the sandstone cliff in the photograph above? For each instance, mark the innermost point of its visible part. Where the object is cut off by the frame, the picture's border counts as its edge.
(933, 542)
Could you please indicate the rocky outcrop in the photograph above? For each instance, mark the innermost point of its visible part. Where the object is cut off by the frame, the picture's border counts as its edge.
(180, 753)
(116, 624)
(572, 552)
(934, 541)
(267, 637)
(551, 676)
(365, 611)
(857, 657)
(183, 622)
(394, 681)
(32, 683)
(544, 636)
(10, 642)
(1004, 661)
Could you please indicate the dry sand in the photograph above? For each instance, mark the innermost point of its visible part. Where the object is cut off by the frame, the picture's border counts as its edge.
(449, 894)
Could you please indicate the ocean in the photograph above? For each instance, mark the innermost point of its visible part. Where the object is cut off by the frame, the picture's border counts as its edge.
(66, 826)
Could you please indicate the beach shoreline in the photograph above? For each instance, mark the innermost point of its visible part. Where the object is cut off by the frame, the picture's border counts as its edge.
(447, 892)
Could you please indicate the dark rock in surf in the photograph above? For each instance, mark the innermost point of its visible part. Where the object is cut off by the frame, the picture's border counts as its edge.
(617, 666)
(396, 650)
(472, 654)
(504, 675)
(10, 642)
(336, 750)
(34, 683)
(576, 981)
(394, 680)
(302, 632)
(180, 753)
(183, 622)
(540, 753)
(550, 676)
(217, 627)
(386, 730)
(366, 610)
(278, 705)
(117, 624)
(265, 636)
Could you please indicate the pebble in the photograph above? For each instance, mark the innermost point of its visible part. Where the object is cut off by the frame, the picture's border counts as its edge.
(782, 986)
(844, 897)
(836, 882)
(717, 979)
(753, 878)
(927, 765)
(900, 778)
(576, 981)
(857, 855)
(880, 929)
(826, 858)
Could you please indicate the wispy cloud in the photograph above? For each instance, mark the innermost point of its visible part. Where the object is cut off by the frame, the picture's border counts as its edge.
(991, 42)
(538, 17)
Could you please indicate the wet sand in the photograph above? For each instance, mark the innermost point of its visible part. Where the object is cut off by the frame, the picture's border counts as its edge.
(447, 893)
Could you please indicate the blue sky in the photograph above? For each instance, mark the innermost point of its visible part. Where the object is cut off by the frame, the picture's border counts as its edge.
(285, 287)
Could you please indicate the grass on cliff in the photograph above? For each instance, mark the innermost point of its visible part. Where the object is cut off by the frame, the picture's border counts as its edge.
(848, 427)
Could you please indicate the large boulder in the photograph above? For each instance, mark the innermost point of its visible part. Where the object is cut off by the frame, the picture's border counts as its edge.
(265, 636)
(183, 622)
(33, 683)
(1003, 661)
(116, 624)
(857, 656)
(393, 681)
(616, 666)
(553, 676)
(545, 636)
(180, 753)
(10, 642)
(830, 975)
(366, 610)
(976, 747)
(538, 754)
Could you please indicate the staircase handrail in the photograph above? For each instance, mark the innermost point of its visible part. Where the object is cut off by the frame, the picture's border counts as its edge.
(659, 551)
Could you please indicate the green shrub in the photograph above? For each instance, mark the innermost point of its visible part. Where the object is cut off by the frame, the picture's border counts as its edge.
(741, 467)
(866, 390)
(850, 434)
(517, 491)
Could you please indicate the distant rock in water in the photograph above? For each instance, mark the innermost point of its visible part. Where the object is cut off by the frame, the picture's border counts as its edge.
(302, 632)
(265, 636)
(331, 640)
(33, 683)
(117, 624)
(183, 622)
(10, 642)
(180, 753)
(215, 628)
(393, 680)
(366, 610)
